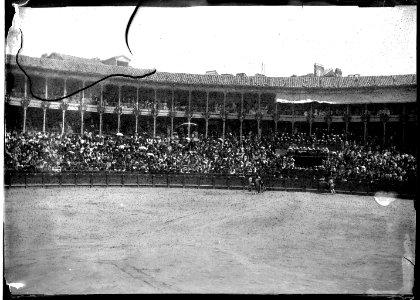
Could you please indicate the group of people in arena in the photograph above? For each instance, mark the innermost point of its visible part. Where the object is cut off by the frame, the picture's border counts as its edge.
(257, 183)
(343, 160)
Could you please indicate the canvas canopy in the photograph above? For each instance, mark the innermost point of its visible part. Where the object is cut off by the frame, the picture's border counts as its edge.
(351, 97)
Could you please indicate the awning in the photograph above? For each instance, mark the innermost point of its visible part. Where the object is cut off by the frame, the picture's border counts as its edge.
(408, 95)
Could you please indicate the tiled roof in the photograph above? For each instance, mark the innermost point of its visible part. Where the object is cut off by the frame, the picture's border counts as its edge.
(74, 66)
(216, 80)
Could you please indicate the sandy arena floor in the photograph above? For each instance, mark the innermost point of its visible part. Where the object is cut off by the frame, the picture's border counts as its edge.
(159, 240)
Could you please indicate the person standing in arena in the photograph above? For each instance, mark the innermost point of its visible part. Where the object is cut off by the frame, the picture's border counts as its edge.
(262, 186)
(258, 184)
(331, 185)
(250, 183)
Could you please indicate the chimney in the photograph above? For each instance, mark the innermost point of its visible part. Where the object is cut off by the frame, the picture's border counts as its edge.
(338, 72)
(318, 70)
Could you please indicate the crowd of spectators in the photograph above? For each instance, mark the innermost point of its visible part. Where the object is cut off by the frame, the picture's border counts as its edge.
(271, 155)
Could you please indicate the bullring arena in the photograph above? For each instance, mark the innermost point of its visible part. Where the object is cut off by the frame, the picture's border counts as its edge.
(82, 217)
(174, 240)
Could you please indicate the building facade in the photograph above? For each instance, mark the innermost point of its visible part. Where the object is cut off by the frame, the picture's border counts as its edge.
(207, 104)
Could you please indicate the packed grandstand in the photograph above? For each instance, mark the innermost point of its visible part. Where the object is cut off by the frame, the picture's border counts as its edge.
(348, 128)
(272, 155)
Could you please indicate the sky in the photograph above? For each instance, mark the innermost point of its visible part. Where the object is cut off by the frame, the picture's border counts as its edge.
(288, 40)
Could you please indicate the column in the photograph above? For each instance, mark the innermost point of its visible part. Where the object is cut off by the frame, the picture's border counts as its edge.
(384, 137)
(364, 131)
(276, 118)
(172, 127)
(64, 108)
(207, 113)
(63, 123)
(207, 126)
(119, 96)
(155, 106)
(224, 116)
(189, 113)
(173, 100)
(102, 109)
(365, 125)
(386, 121)
(118, 123)
(82, 95)
(403, 125)
(46, 88)
(240, 117)
(240, 128)
(81, 108)
(224, 125)
(137, 122)
(138, 111)
(329, 120)
(24, 119)
(310, 119)
(65, 87)
(347, 120)
(119, 111)
(259, 119)
(100, 124)
(102, 95)
(137, 101)
(44, 119)
(154, 125)
(25, 92)
(293, 118)
(81, 122)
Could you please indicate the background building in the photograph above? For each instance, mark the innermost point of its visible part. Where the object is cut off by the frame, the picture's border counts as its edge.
(382, 106)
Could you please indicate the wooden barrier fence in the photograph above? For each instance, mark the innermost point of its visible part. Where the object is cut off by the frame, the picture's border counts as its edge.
(212, 181)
